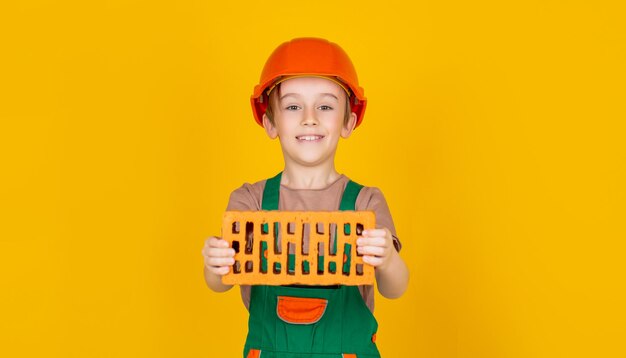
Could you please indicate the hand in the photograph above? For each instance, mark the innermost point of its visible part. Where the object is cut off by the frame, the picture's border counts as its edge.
(376, 246)
(218, 257)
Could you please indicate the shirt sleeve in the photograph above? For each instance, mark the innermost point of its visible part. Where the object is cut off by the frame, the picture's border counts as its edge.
(247, 197)
(371, 198)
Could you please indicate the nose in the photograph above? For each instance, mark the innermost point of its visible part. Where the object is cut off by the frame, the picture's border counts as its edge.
(309, 118)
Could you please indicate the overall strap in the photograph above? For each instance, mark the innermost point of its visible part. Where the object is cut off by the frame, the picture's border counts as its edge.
(271, 194)
(350, 193)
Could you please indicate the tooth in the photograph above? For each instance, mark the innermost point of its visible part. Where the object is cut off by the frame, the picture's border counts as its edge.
(309, 137)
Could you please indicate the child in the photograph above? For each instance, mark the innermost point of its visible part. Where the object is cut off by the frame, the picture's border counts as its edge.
(309, 97)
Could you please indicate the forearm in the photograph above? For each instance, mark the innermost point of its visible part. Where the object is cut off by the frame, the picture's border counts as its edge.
(393, 278)
(215, 281)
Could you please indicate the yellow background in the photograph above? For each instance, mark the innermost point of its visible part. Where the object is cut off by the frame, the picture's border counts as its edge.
(495, 130)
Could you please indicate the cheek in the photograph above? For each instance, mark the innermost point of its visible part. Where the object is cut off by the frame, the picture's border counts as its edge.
(287, 125)
(333, 122)
(288, 118)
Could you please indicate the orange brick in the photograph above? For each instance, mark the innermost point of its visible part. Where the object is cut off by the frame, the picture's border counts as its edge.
(250, 231)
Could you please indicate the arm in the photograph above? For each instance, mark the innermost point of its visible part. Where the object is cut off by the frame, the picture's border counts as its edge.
(392, 274)
(380, 248)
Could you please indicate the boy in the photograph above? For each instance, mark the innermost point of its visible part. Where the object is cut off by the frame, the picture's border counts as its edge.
(309, 97)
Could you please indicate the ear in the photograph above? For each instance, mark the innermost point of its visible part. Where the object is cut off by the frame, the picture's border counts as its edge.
(349, 127)
(269, 127)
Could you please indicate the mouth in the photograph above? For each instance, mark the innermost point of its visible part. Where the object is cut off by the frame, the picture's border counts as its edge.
(309, 138)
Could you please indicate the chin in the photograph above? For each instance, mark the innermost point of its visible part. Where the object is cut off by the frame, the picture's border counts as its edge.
(311, 162)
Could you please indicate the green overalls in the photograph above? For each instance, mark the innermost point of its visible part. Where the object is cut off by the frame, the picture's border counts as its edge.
(309, 322)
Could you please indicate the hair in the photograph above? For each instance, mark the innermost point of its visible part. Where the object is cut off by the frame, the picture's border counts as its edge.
(272, 101)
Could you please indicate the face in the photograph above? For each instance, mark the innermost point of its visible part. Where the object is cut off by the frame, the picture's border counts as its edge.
(309, 120)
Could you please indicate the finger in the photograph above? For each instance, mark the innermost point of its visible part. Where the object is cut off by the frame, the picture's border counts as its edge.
(210, 239)
(217, 242)
(219, 270)
(217, 252)
(374, 232)
(371, 241)
(207, 251)
(219, 261)
(373, 260)
(371, 250)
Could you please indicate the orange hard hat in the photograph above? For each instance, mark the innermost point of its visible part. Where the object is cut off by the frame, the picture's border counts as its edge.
(308, 56)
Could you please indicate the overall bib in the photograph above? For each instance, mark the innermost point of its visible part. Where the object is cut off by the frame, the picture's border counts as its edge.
(309, 322)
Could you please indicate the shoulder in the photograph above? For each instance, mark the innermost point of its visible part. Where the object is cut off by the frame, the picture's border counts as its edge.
(369, 198)
(247, 197)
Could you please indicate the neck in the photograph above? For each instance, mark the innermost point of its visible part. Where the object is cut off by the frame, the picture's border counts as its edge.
(296, 176)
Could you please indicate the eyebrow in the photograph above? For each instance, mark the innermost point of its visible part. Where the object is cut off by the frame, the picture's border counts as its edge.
(297, 95)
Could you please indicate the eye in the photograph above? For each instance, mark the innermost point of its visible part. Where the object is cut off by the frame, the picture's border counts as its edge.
(325, 108)
(293, 107)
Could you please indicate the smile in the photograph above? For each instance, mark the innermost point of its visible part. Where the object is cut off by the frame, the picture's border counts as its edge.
(309, 138)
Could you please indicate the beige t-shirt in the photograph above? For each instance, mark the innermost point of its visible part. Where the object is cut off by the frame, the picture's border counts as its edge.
(250, 196)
